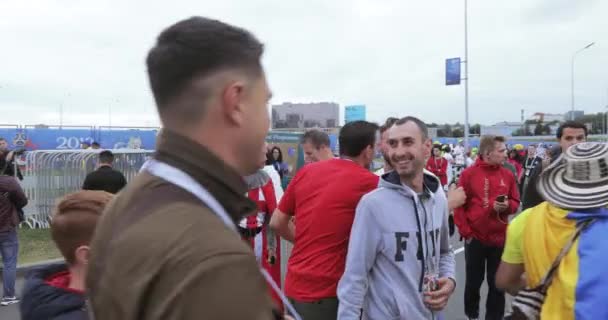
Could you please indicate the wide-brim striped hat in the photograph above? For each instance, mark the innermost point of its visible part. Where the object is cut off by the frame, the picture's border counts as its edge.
(578, 179)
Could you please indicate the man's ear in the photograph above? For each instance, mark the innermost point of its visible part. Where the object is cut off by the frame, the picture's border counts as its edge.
(231, 102)
(82, 255)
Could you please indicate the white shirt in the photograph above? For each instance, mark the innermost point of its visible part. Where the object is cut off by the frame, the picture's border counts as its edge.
(276, 181)
(450, 160)
(458, 150)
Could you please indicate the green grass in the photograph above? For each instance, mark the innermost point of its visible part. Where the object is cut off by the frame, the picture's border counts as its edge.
(36, 245)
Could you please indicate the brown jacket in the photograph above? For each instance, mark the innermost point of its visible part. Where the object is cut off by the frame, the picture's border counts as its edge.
(12, 199)
(159, 253)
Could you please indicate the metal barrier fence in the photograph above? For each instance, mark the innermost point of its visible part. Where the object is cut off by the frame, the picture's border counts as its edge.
(51, 174)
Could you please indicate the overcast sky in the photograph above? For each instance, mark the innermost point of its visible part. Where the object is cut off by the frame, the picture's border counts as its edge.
(388, 54)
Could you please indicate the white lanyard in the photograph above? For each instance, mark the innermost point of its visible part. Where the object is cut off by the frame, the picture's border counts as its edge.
(186, 182)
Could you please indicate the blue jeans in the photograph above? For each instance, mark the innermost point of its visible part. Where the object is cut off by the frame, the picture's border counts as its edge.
(9, 248)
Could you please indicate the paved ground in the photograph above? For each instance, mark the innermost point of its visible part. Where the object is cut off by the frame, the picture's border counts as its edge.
(454, 311)
(12, 312)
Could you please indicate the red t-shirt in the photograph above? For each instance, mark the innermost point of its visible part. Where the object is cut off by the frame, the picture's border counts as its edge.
(323, 197)
(61, 280)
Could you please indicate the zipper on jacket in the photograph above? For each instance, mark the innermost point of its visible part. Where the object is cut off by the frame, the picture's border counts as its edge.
(420, 253)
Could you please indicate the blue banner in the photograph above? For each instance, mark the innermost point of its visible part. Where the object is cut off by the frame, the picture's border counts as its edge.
(72, 139)
(452, 71)
(128, 139)
(354, 113)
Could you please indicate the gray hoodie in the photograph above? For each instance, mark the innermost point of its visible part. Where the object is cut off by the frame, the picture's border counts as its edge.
(387, 253)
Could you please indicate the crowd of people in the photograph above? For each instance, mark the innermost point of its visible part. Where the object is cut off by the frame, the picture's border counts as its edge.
(197, 234)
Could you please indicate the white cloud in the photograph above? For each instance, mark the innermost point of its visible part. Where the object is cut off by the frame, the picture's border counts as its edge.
(387, 54)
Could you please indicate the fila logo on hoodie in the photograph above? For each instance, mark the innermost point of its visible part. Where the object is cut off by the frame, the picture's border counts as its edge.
(401, 241)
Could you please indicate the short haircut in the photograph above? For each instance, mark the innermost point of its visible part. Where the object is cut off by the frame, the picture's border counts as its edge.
(388, 124)
(356, 136)
(74, 220)
(571, 125)
(2, 139)
(424, 131)
(487, 143)
(315, 137)
(106, 156)
(95, 144)
(194, 48)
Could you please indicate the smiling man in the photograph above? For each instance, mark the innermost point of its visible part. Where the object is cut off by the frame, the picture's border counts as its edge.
(400, 263)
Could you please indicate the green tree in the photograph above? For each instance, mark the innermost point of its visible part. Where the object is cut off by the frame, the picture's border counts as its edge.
(445, 131)
(475, 129)
(518, 133)
(538, 130)
(458, 133)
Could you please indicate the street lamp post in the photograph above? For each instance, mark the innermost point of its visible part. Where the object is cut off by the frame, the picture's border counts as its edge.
(572, 77)
(606, 120)
(466, 77)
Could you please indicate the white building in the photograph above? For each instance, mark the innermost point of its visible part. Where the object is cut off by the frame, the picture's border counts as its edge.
(546, 117)
(305, 115)
(504, 129)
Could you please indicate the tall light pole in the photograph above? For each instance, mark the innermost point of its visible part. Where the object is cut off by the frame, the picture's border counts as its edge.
(606, 120)
(572, 76)
(466, 77)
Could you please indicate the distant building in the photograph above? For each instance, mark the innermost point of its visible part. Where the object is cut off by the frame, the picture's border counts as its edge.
(573, 115)
(504, 129)
(305, 115)
(547, 117)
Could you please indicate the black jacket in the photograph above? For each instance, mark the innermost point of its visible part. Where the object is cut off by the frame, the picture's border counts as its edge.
(105, 179)
(42, 301)
(530, 196)
(8, 168)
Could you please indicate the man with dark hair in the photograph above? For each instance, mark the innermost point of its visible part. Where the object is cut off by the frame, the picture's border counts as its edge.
(316, 146)
(105, 178)
(95, 146)
(322, 197)
(58, 291)
(529, 166)
(568, 134)
(400, 263)
(492, 196)
(167, 247)
(9, 168)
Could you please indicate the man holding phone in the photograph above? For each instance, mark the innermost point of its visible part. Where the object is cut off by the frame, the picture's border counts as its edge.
(492, 195)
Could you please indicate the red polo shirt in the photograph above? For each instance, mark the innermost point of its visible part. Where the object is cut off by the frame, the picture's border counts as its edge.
(323, 197)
